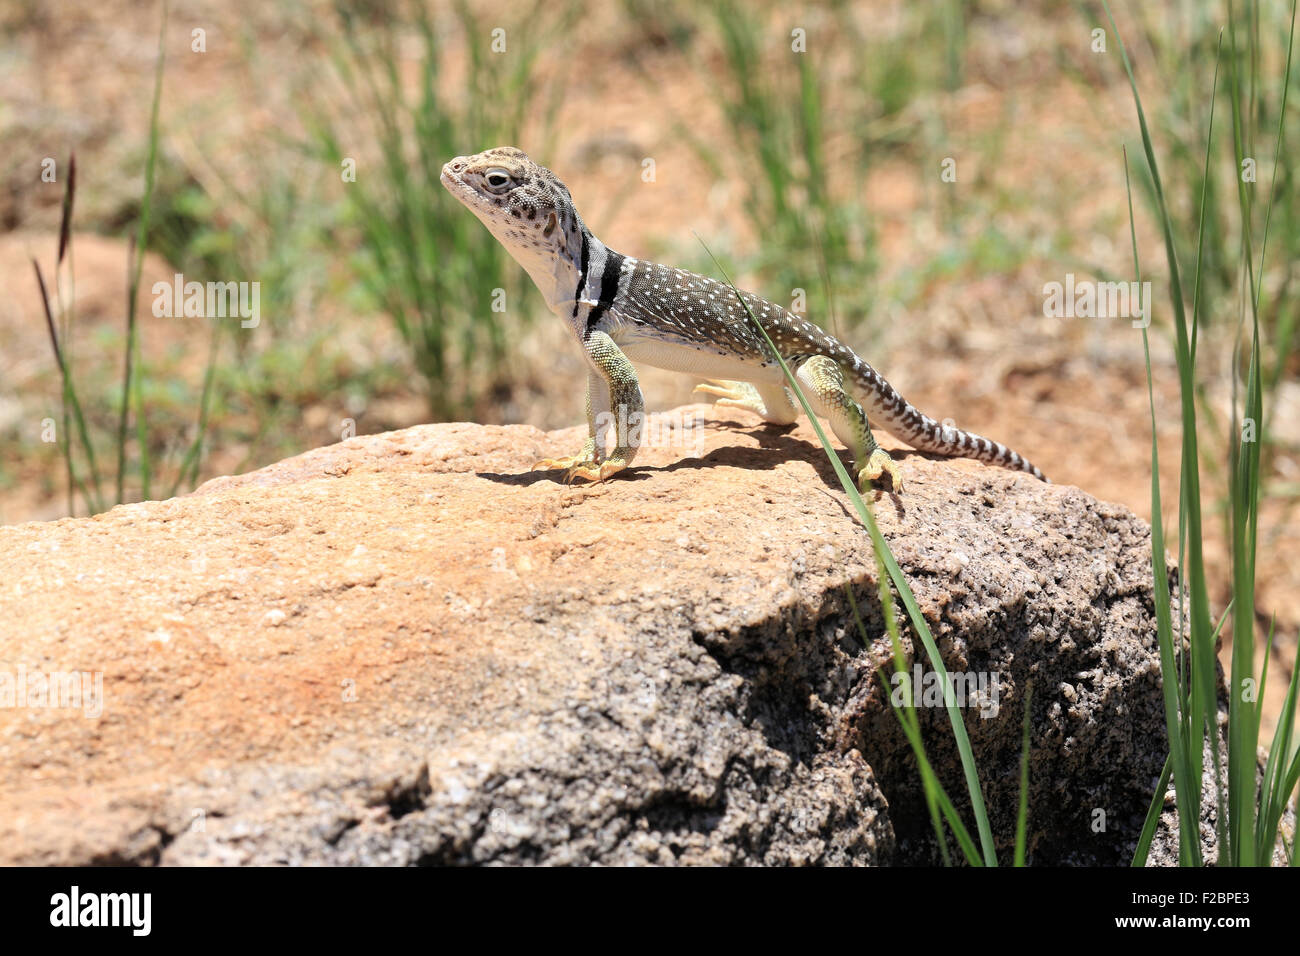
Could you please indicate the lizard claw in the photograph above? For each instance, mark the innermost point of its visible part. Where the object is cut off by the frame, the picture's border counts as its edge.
(560, 464)
(722, 389)
(734, 395)
(589, 455)
(594, 471)
(878, 464)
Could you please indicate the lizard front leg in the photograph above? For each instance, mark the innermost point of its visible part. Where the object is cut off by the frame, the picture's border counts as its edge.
(592, 452)
(623, 411)
(613, 402)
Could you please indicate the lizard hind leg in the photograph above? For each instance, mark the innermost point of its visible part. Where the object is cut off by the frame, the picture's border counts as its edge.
(773, 403)
(822, 381)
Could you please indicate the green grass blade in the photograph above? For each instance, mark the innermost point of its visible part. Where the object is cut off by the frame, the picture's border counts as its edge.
(1243, 486)
(70, 400)
(1189, 842)
(1022, 814)
(1153, 814)
(131, 387)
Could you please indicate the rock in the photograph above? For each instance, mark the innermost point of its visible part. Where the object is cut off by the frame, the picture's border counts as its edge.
(407, 648)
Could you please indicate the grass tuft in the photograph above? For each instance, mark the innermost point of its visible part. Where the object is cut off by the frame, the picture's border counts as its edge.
(1247, 815)
(81, 465)
(437, 274)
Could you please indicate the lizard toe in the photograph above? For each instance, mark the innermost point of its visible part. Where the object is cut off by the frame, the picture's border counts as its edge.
(592, 471)
(562, 464)
(878, 465)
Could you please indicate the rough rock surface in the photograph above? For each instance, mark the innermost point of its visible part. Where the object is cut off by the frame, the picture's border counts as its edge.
(407, 648)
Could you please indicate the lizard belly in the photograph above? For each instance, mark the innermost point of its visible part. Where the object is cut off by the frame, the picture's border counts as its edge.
(701, 362)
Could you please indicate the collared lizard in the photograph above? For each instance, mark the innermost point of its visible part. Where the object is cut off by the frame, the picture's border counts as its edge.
(624, 310)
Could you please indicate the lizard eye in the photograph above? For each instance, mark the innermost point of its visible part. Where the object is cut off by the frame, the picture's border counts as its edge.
(496, 177)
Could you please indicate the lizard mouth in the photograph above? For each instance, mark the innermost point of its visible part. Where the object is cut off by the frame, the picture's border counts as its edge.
(455, 185)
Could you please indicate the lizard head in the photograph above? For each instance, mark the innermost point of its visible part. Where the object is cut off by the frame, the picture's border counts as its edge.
(529, 211)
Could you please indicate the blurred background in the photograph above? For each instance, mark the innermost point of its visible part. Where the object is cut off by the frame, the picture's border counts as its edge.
(916, 171)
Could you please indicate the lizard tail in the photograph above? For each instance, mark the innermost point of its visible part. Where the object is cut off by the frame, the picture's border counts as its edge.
(886, 407)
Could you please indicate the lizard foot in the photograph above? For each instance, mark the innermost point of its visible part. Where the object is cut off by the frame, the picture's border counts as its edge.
(595, 471)
(564, 464)
(878, 464)
(735, 395)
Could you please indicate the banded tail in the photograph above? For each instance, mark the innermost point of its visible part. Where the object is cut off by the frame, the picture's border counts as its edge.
(887, 408)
